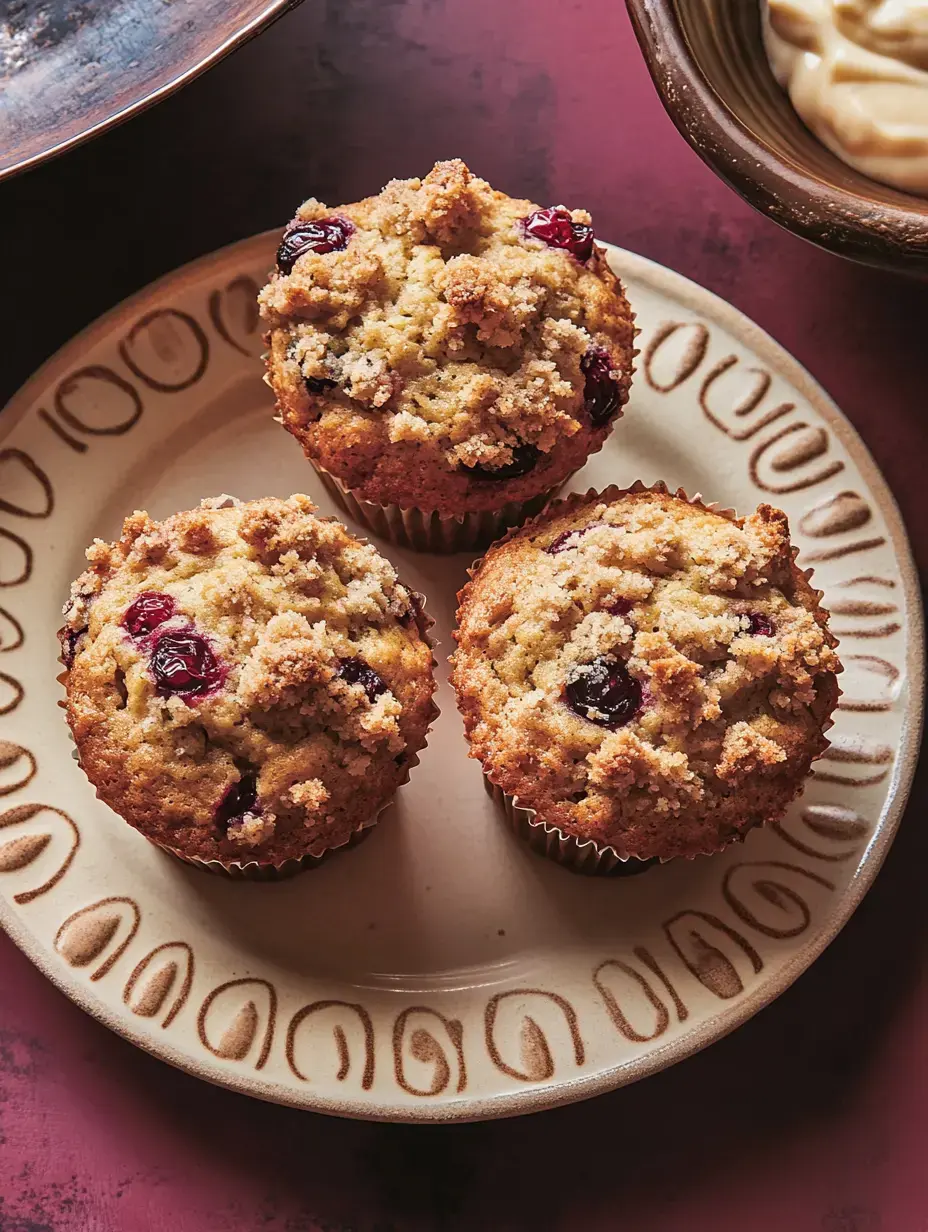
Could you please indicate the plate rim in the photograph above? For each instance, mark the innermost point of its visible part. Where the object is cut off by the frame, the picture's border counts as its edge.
(492, 1107)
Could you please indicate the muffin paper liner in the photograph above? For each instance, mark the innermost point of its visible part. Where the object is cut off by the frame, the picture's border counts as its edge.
(426, 531)
(586, 856)
(579, 855)
(256, 870)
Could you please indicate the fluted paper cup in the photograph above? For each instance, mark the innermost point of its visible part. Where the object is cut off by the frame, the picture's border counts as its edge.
(579, 855)
(586, 855)
(258, 870)
(430, 531)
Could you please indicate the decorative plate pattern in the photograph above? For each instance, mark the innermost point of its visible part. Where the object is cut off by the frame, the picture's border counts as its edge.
(441, 971)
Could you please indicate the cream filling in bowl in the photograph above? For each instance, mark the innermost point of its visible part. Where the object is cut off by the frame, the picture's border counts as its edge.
(857, 74)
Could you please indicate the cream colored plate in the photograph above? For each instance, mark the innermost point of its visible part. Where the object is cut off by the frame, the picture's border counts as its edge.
(440, 971)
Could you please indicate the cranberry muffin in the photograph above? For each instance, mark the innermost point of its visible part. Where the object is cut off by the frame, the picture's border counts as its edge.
(651, 677)
(247, 683)
(444, 349)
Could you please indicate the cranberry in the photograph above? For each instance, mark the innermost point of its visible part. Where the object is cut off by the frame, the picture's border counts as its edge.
(604, 692)
(318, 384)
(146, 612)
(619, 607)
(563, 541)
(182, 662)
(319, 235)
(524, 459)
(238, 800)
(601, 390)
(759, 625)
(356, 671)
(68, 639)
(556, 228)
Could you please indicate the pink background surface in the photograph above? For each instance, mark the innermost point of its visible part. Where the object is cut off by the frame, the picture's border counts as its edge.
(812, 1117)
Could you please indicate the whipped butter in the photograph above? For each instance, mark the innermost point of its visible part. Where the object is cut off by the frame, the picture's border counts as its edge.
(857, 74)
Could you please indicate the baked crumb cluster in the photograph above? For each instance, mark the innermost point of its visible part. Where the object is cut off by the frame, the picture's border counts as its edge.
(245, 680)
(645, 672)
(432, 324)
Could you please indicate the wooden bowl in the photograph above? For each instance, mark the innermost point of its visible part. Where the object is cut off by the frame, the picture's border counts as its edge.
(709, 65)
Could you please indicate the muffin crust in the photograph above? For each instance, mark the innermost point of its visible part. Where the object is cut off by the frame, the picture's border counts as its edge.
(718, 663)
(441, 338)
(316, 688)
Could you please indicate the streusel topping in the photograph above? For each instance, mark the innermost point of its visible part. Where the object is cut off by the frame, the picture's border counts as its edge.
(444, 322)
(646, 672)
(245, 679)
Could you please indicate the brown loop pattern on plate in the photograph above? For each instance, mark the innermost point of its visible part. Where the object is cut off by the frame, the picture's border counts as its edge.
(340, 1037)
(245, 290)
(698, 937)
(83, 379)
(19, 853)
(242, 1029)
(86, 934)
(773, 891)
(639, 985)
(32, 468)
(429, 1051)
(536, 1058)
(147, 990)
(160, 327)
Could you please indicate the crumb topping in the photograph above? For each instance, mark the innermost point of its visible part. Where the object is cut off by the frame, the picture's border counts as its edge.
(650, 589)
(280, 748)
(444, 325)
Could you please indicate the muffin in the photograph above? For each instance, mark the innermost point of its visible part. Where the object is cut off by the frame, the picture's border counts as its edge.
(247, 683)
(642, 676)
(446, 355)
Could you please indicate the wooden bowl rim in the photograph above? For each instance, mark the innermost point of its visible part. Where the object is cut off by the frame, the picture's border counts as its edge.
(851, 224)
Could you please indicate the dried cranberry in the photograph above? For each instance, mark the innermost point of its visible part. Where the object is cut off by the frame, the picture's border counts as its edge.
(182, 662)
(356, 671)
(318, 235)
(601, 390)
(524, 459)
(318, 384)
(238, 800)
(619, 607)
(146, 612)
(557, 229)
(604, 692)
(562, 542)
(759, 625)
(68, 639)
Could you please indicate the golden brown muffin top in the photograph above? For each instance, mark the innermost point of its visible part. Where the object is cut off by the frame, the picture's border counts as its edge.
(246, 680)
(430, 344)
(646, 672)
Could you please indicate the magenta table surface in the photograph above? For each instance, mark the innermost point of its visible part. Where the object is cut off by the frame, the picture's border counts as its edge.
(811, 1118)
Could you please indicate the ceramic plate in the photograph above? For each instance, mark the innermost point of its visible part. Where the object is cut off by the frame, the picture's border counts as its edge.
(441, 971)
